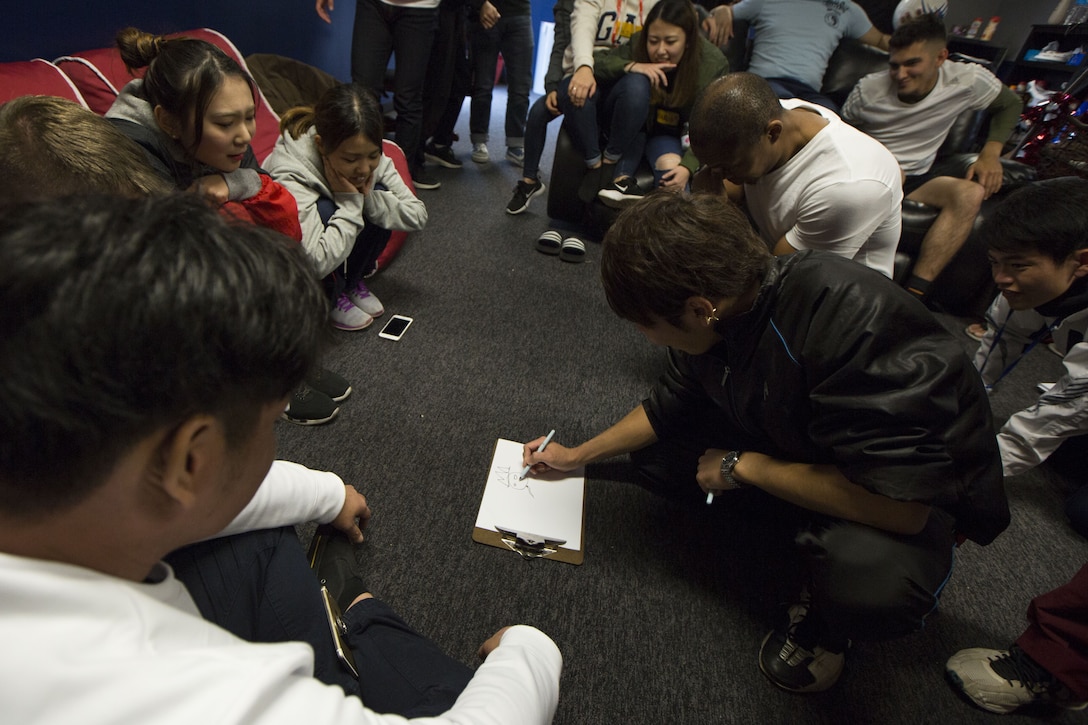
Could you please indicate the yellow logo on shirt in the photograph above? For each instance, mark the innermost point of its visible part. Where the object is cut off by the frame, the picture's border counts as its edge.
(665, 117)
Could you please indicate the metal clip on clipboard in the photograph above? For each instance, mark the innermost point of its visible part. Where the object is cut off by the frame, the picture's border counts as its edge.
(529, 546)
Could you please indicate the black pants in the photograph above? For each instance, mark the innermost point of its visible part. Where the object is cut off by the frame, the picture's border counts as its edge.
(383, 30)
(1071, 460)
(363, 258)
(259, 587)
(865, 583)
(449, 75)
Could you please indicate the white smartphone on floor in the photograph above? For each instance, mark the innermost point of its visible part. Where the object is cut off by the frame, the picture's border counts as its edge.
(394, 329)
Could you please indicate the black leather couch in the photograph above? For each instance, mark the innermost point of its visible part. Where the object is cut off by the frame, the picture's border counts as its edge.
(963, 288)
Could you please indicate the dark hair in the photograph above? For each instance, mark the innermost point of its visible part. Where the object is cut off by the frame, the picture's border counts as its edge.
(53, 147)
(926, 28)
(343, 111)
(182, 74)
(123, 316)
(1050, 217)
(733, 111)
(672, 246)
(680, 13)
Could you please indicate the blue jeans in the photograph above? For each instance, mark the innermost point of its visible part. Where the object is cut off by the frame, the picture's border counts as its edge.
(513, 37)
(658, 146)
(536, 133)
(379, 31)
(621, 107)
(652, 148)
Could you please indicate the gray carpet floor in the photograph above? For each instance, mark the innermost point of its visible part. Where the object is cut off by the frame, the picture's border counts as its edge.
(662, 622)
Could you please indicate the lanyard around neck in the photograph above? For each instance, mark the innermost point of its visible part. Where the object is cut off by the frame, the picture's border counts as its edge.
(1036, 337)
(619, 19)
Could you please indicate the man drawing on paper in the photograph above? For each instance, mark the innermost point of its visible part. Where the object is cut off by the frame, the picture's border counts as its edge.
(811, 379)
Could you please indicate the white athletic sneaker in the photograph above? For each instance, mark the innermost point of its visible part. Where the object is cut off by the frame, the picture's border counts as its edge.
(1002, 681)
(346, 316)
(480, 154)
(365, 300)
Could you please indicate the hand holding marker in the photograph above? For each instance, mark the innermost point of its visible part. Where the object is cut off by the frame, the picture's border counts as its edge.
(525, 471)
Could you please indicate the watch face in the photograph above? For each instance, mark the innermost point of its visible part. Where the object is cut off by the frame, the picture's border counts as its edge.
(729, 462)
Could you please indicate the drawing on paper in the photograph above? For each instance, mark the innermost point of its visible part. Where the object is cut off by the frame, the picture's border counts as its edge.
(511, 478)
(550, 505)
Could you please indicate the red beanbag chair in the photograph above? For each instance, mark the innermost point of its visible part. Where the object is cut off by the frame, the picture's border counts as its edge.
(396, 239)
(36, 78)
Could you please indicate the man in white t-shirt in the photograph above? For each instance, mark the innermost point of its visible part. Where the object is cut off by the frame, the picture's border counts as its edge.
(808, 180)
(911, 109)
(143, 372)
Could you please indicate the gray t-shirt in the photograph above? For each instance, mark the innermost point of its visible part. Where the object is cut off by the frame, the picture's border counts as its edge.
(795, 38)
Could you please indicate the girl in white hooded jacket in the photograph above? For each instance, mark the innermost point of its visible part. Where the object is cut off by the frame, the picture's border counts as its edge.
(349, 194)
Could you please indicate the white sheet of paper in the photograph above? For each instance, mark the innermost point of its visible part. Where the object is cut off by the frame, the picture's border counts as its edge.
(548, 505)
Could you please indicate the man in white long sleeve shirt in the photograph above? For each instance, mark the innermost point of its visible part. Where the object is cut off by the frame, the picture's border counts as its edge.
(145, 361)
(1038, 247)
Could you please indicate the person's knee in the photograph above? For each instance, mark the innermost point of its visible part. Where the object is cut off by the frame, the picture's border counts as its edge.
(863, 587)
(519, 80)
(959, 197)
(1076, 508)
(567, 107)
(962, 196)
(883, 607)
(969, 196)
(633, 89)
(539, 116)
(666, 162)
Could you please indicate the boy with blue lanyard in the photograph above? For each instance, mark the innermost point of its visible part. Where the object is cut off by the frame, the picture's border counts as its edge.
(1038, 249)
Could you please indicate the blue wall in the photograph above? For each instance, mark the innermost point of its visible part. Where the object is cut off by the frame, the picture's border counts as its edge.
(49, 28)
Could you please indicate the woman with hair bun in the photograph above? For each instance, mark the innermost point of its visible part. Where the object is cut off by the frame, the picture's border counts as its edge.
(193, 113)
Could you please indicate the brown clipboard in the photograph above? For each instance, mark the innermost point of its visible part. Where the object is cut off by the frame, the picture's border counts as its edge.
(532, 545)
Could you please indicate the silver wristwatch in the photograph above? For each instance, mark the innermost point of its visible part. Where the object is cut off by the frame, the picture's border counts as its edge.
(729, 462)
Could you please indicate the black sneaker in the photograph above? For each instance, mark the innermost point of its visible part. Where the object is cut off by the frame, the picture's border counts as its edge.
(1002, 681)
(621, 193)
(329, 383)
(332, 557)
(423, 179)
(309, 407)
(441, 155)
(523, 193)
(793, 661)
